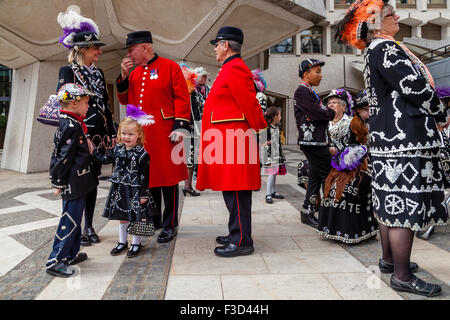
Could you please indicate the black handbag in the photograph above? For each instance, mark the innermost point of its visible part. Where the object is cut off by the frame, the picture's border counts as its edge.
(144, 227)
(141, 228)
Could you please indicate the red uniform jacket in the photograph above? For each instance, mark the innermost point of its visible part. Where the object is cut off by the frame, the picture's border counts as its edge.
(161, 90)
(229, 158)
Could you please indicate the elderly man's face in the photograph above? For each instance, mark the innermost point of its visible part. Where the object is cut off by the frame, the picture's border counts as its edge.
(221, 49)
(139, 53)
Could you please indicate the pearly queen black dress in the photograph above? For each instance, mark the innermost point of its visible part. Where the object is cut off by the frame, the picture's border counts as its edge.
(408, 185)
(129, 183)
(350, 219)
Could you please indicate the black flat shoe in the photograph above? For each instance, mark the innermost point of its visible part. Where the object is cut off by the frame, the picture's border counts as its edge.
(60, 270)
(223, 240)
(231, 250)
(309, 219)
(166, 235)
(93, 237)
(269, 199)
(277, 196)
(82, 256)
(134, 253)
(119, 248)
(191, 192)
(85, 241)
(417, 286)
(386, 267)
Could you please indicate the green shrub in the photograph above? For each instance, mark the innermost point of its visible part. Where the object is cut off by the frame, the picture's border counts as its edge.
(3, 120)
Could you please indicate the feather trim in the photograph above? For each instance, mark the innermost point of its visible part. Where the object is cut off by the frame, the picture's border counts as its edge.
(139, 116)
(72, 23)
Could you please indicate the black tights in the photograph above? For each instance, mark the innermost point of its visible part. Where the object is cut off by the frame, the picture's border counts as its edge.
(396, 244)
(90, 208)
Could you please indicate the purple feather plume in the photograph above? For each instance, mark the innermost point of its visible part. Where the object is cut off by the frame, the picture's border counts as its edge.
(140, 116)
(84, 27)
(340, 162)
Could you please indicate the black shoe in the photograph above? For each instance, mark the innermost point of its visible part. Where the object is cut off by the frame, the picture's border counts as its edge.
(93, 237)
(386, 267)
(269, 199)
(60, 270)
(85, 241)
(417, 286)
(231, 250)
(425, 234)
(223, 240)
(309, 219)
(277, 196)
(79, 258)
(134, 253)
(119, 248)
(191, 192)
(167, 235)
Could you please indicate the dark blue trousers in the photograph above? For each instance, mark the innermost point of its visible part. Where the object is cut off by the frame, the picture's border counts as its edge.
(239, 205)
(68, 235)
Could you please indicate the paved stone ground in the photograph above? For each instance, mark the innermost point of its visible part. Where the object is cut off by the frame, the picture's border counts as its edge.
(146, 276)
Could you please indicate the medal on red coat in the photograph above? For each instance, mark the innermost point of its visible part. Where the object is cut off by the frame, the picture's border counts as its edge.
(153, 74)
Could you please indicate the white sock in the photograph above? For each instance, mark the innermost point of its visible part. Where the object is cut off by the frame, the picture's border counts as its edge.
(136, 240)
(123, 232)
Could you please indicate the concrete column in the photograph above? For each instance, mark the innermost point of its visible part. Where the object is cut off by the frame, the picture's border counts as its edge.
(416, 31)
(297, 45)
(329, 5)
(421, 5)
(28, 143)
(445, 32)
(393, 3)
(327, 40)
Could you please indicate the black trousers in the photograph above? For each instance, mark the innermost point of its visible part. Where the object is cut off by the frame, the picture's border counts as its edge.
(170, 214)
(91, 199)
(239, 205)
(319, 162)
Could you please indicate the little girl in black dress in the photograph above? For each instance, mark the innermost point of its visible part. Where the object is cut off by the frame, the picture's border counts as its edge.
(129, 199)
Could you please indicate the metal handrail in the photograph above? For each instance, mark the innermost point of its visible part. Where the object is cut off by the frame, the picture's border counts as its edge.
(442, 51)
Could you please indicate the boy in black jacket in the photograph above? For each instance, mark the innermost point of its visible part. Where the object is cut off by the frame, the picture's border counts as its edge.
(71, 174)
(312, 122)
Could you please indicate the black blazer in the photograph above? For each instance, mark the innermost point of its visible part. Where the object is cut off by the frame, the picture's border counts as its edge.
(404, 107)
(70, 164)
(308, 105)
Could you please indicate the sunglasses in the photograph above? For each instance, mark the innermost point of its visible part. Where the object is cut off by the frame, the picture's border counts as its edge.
(392, 14)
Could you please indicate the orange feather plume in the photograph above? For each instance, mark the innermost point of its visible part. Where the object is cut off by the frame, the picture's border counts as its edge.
(360, 11)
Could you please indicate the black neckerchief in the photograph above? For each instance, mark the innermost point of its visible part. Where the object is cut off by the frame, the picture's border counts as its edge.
(153, 59)
(231, 58)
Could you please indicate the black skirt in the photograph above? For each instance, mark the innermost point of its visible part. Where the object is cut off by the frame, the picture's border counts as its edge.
(408, 189)
(350, 219)
(123, 203)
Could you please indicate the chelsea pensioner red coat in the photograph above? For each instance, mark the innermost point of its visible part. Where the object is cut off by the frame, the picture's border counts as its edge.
(230, 160)
(161, 90)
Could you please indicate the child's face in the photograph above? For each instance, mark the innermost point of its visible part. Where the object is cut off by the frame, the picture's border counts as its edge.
(79, 107)
(129, 136)
(277, 118)
(313, 76)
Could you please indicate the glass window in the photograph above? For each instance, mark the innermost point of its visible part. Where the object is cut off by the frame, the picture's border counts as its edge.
(311, 40)
(337, 47)
(406, 3)
(283, 47)
(5, 89)
(342, 3)
(437, 3)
